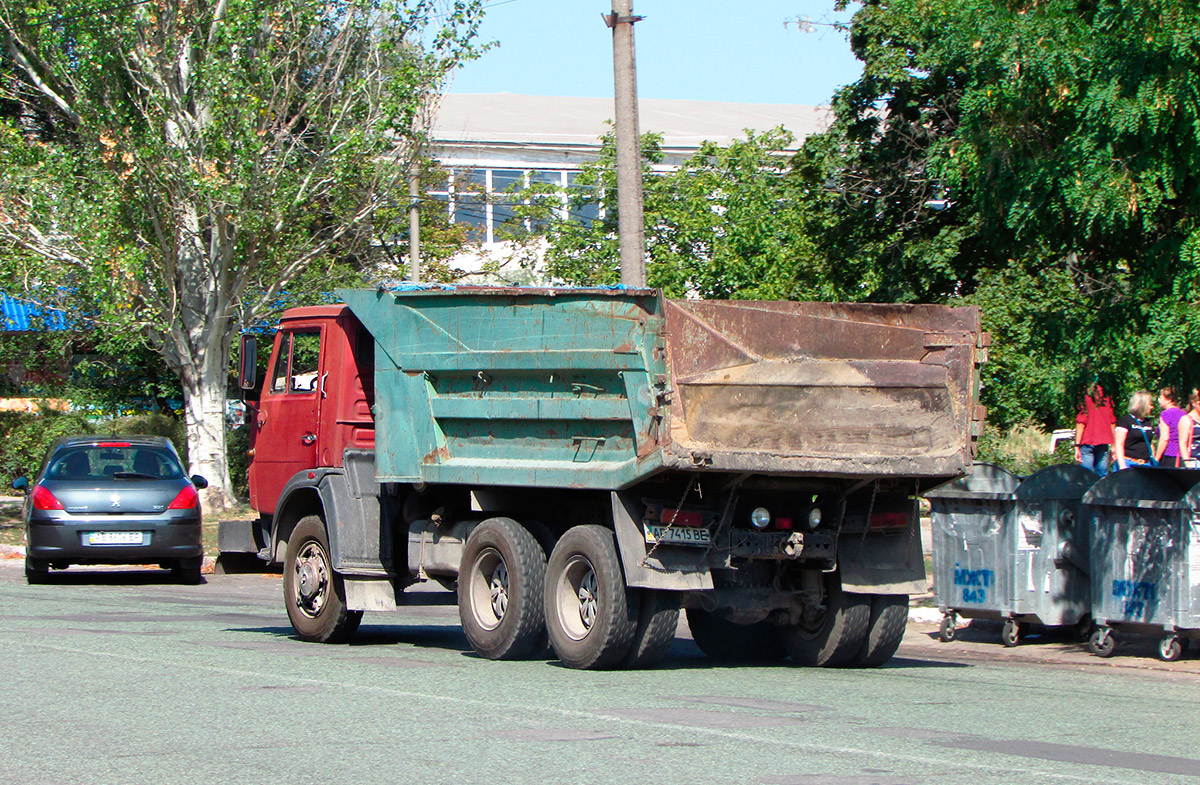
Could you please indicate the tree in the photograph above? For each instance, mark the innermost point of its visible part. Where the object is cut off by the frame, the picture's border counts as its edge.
(1038, 157)
(173, 165)
(728, 223)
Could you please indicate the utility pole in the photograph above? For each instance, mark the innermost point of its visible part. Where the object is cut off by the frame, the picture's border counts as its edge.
(630, 223)
(414, 221)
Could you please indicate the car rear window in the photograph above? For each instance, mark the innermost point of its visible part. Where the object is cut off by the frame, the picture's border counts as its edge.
(98, 462)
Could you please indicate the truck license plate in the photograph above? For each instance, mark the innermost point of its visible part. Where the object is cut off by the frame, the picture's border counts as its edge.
(676, 535)
(114, 538)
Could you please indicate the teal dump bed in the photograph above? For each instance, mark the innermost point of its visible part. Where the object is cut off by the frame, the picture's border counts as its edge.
(578, 388)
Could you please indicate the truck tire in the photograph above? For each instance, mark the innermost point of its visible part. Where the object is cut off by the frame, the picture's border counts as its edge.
(726, 641)
(500, 584)
(834, 638)
(658, 618)
(591, 616)
(885, 630)
(313, 593)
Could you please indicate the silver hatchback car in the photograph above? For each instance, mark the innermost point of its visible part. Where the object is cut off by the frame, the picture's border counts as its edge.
(112, 500)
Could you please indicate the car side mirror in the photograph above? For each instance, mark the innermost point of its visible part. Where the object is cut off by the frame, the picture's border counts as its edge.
(248, 373)
(20, 484)
(199, 481)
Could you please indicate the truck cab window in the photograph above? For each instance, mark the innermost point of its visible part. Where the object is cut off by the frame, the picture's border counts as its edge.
(296, 369)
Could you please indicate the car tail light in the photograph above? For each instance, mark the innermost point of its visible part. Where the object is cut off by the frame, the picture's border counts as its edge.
(114, 444)
(889, 520)
(681, 517)
(44, 500)
(187, 499)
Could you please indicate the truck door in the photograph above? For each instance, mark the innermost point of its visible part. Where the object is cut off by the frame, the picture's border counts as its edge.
(286, 442)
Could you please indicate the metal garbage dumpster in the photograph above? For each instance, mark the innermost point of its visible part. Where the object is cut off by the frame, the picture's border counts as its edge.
(1145, 559)
(1012, 549)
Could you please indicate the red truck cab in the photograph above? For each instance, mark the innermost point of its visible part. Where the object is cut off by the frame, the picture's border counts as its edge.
(315, 402)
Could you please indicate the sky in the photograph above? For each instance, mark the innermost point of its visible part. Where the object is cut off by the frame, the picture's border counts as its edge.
(743, 52)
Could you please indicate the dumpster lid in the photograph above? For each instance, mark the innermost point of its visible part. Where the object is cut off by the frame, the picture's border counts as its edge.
(1068, 481)
(1147, 487)
(986, 481)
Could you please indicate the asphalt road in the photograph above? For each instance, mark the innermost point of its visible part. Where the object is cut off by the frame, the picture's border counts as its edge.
(126, 678)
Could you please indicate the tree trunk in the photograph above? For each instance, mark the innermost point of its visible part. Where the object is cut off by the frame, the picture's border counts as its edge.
(203, 382)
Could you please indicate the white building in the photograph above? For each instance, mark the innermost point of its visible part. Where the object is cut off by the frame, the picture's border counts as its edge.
(491, 143)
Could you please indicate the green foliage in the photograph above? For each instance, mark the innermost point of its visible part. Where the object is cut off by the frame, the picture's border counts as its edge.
(1022, 449)
(24, 439)
(1038, 158)
(172, 168)
(728, 223)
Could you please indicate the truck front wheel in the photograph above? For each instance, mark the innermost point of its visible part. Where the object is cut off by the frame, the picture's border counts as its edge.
(832, 636)
(500, 584)
(313, 593)
(591, 616)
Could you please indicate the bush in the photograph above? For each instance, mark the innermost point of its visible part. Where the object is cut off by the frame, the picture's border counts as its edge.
(1023, 449)
(24, 439)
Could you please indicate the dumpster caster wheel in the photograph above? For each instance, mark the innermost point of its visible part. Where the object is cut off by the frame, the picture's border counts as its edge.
(1011, 634)
(1170, 648)
(949, 629)
(1102, 643)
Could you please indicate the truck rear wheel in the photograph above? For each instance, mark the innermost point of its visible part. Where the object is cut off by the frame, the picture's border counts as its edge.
(313, 593)
(885, 630)
(591, 616)
(833, 637)
(726, 641)
(658, 618)
(500, 584)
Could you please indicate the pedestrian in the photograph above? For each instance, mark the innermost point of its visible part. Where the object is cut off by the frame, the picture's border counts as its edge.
(1094, 430)
(1133, 432)
(1172, 420)
(1192, 453)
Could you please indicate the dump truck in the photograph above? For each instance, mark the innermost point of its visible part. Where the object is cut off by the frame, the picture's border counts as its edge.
(580, 465)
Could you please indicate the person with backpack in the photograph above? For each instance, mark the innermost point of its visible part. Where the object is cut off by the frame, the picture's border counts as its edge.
(1134, 432)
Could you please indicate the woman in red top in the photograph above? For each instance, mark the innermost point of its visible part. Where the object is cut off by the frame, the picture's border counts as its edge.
(1094, 430)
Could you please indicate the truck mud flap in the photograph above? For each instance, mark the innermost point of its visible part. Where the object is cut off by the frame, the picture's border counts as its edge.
(670, 568)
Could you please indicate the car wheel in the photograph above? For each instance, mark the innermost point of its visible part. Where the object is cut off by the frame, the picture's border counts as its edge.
(313, 593)
(187, 571)
(591, 616)
(37, 571)
(500, 585)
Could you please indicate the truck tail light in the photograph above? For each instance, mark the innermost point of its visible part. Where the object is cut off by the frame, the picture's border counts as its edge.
(681, 517)
(44, 500)
(888, 520)
(187, 499)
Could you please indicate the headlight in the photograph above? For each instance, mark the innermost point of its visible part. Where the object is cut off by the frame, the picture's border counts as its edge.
(814, 518)
(760, 518)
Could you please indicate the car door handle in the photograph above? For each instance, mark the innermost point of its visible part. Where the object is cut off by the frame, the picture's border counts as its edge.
(308, 438)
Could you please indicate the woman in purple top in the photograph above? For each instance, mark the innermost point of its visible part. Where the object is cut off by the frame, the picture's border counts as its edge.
(1170, 422)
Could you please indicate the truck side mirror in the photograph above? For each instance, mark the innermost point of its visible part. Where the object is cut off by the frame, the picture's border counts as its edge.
(248, 373)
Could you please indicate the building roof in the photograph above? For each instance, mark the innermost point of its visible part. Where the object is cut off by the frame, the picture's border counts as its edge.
(508, 119)
(26, 315)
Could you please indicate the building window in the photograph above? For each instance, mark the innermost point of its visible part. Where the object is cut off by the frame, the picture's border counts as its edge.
(487, 200)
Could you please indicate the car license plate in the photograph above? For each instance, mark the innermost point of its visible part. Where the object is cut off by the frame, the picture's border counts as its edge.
(676, 535)
(114, 538)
